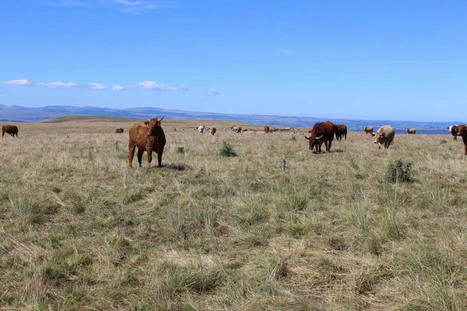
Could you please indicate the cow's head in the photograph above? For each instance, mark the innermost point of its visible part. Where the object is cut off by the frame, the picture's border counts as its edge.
(313, 141)
(379, 137)
(153, 124)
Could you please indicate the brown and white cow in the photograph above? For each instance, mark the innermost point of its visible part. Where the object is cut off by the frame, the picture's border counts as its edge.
(341, 130)
(10, 129)
(236, 129)
(368, 129)
(384, 135)
(321, 132)
(148, 137)
(411, 130)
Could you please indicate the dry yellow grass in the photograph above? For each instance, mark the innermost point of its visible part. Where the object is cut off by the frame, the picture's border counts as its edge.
(274, 228)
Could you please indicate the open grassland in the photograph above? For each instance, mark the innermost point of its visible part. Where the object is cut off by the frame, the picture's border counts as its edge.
(274, 228)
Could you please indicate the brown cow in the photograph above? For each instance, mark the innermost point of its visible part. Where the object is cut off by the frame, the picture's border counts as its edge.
(321, 132)
(411, 130)
(453, 130)
(368, 129)
(213, 131)
(10, 129)
(119, 130)
(341, 130)
(266, 129)
(462, 131)
(149, 137)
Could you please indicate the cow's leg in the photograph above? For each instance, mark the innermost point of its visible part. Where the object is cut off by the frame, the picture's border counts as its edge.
(3, 133)
(149, 151)
(159, 157)
(131, 153)
(329, 145)
(140, 156)
(345, 136)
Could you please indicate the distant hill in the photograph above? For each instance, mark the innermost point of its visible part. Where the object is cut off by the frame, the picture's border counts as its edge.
(70, 118)
(35, 114)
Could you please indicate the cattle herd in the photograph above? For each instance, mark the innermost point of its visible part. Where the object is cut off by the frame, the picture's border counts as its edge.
(150, 137)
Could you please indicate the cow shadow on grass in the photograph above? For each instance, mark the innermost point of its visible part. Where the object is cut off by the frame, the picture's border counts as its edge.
(331, 151)
(175, 167)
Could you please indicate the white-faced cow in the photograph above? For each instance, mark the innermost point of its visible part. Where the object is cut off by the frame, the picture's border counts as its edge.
(384, 135)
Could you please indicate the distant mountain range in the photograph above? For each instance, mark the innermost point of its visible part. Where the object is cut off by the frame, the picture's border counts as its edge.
(35, 114)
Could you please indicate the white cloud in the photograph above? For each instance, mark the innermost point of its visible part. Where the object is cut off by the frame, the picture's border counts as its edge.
(136, 6)
(148, 84)
(181, 87)
(117, 87)
(288, 52)
(153, 85)
(57, 84)
(18, 82)
(213, 91)
(96, 86)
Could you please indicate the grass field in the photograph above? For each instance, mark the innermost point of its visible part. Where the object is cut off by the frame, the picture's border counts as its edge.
(274, 228)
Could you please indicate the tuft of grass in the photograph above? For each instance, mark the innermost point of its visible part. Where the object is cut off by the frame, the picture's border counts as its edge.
(399, 171)
(194, 277)
(180, 150)
(227, 150)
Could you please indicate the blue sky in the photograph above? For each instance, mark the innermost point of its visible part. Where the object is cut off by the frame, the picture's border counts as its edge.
(399, 60)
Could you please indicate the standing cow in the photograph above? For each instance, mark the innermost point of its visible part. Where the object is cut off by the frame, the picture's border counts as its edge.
(411, 130)
(213, 131)
(236, 129)
(453, 130)
(10, 129)
(149, 137)
(321, 132)
(266, 129)
(462, 131)
(201, 129)
(119, 130)
(341, 130)
(384, 135)
(368, 129)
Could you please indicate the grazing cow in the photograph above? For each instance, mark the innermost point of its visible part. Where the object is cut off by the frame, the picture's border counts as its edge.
(462, 131)
(266, 129)
(384, 135)
(201, 129)
(10, 129)
(453, 130)
(411, 130)
(368, 129)
(149, 137)
(213, 131)
(120, 130)
(341, 130)
(321, 132)
(236, 129)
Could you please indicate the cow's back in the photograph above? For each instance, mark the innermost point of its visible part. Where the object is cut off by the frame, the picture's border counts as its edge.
(388, 132)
